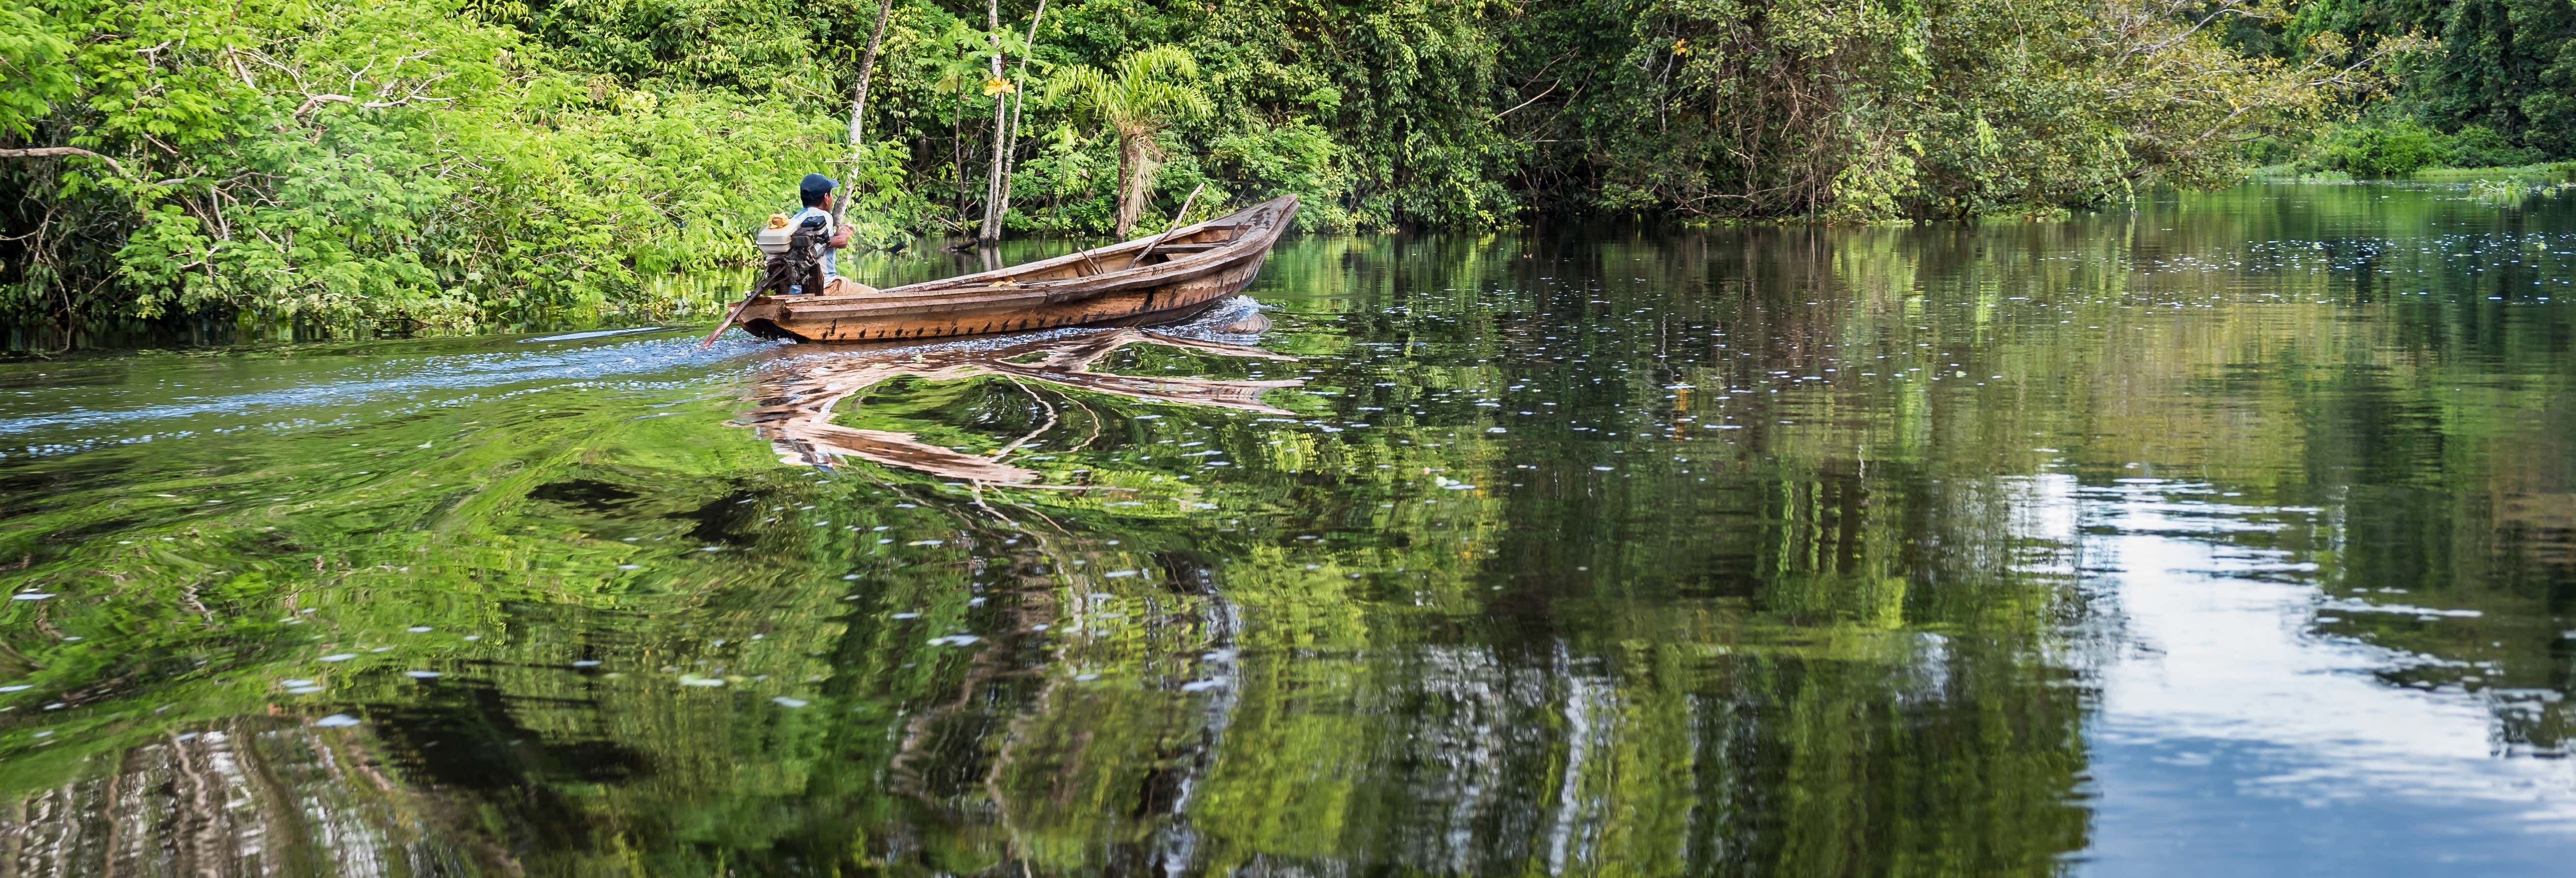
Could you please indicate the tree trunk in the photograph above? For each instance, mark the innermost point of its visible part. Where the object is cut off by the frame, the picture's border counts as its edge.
(859, 102)
(991, 231)
(1019, 97)
(1126, 166)
(957, 156)
(1137, 156)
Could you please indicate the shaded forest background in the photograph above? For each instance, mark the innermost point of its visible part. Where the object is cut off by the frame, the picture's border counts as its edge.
(435, 163)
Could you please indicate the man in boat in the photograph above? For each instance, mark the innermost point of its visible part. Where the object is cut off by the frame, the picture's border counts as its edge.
(816, 190)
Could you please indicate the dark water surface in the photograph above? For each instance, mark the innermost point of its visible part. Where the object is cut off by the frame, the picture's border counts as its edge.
(2236, 535)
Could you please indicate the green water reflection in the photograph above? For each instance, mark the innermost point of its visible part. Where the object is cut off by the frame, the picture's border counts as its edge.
(1733, 552)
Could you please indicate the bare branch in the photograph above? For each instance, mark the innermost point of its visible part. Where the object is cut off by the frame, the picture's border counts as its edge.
(1517, 108)
(311, 101)
(43, 151)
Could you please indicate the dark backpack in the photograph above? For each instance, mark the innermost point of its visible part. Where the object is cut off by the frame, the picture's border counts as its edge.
(799, 271)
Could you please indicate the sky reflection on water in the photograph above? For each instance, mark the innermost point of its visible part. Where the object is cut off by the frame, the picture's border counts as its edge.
(2233, 737)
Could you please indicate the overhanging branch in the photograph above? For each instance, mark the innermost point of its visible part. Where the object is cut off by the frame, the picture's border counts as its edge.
(47, 151)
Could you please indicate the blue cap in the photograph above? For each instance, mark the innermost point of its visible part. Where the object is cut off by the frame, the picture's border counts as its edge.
(816, 184)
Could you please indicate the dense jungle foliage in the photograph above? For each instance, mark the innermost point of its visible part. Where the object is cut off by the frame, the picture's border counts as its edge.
(447, 163)
(2485, 83)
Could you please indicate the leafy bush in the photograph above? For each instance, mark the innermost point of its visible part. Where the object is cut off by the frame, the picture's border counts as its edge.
(1264, 161)
(2381, 151)
(2388, 148)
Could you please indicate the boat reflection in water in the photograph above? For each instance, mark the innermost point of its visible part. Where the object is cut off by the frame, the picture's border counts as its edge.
(1045, 581)
(797, 407)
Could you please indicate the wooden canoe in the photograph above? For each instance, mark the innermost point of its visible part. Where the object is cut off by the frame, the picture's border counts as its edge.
(1188, 270)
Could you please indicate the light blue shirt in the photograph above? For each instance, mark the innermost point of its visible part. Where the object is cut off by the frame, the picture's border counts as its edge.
(830, 269)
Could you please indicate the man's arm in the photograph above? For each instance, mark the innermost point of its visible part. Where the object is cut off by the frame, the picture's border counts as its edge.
(841, 237)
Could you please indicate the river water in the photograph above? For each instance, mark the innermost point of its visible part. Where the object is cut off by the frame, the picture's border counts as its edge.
(2232, 535)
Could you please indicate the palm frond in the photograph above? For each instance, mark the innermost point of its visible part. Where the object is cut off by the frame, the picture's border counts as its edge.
(1144, 91)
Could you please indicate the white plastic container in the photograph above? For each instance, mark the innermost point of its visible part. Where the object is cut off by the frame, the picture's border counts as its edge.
(773, 239)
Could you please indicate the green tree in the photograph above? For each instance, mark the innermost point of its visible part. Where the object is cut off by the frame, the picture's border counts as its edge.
(1144, 93)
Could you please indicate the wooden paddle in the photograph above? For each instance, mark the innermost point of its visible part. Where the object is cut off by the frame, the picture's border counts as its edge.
(1176, 225)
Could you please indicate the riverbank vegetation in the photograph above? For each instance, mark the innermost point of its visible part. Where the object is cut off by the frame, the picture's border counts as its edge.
(449, 163)
(2487, 85)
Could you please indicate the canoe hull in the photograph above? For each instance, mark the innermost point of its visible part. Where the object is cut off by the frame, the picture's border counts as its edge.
(1092, 288)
